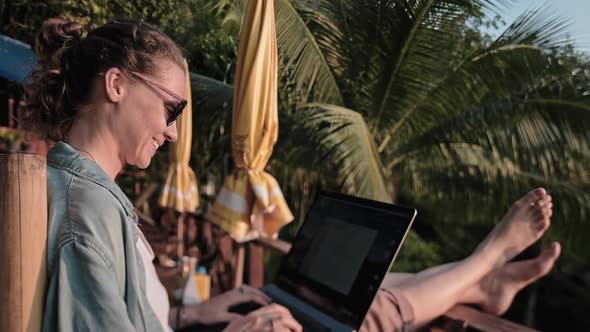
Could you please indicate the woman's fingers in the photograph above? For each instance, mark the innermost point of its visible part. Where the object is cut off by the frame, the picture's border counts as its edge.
(287, 324)
(278, 318)
(272, 318)
(271, 309)
(250, 294)
(251, 290)
(228, 316)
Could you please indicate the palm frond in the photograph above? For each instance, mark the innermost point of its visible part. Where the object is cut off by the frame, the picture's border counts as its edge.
(345, 137)
(302, 64)
(540, 27)
(212, 102)
(466, 132)
(500, 160)
(563, 118)
(498, 71)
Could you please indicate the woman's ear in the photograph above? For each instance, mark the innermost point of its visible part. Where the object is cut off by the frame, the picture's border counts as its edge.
(114, 84)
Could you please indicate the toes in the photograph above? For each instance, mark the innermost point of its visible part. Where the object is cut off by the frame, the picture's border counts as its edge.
(555, 250)
(543, 225)
(544, 211)
(542, 207)
(547, 211)
(530, 270)
(534, 195)
(544, 263)
(547, 200)
(536, 209)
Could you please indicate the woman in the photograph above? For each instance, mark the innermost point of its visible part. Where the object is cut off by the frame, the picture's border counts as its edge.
(110, 97)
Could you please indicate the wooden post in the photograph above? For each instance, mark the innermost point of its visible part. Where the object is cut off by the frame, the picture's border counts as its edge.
(255, 265)
(239, 265)
(180, 235)
(11, 112)
(23, 240)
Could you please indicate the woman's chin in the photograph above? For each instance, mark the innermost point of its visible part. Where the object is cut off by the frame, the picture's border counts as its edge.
(142, 162)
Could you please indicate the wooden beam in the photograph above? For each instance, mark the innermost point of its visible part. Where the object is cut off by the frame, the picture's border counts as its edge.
(279, 246)
(145, 217)
(145, 195)
(483, 321)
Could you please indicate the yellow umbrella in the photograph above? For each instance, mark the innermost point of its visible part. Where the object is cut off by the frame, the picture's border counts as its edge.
(180, 189)
(250, 203)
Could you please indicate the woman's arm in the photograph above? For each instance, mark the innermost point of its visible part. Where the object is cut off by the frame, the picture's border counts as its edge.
(83, 292)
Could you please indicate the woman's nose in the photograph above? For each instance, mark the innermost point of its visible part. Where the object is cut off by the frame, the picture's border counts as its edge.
(171, 132)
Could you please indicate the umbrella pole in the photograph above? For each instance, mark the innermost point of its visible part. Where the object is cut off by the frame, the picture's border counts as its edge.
(239, 266)
(180, 234)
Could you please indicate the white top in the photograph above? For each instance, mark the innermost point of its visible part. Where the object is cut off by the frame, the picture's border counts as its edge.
(156, 293)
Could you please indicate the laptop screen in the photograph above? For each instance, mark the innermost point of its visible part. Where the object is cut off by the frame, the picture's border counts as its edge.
(342, 252)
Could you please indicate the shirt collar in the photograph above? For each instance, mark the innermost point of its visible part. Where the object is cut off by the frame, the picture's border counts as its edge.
(62, 155)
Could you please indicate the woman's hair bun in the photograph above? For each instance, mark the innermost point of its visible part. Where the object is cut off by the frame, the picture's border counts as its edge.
(70, 59)
(56, 37)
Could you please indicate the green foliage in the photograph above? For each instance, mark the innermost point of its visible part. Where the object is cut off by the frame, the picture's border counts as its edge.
(417, 254)
(210, 50)
(463, 124)
(455, 120)
(22, 19)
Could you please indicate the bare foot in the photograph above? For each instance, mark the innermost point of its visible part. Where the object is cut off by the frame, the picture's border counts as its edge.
(525, 222)
(495, 292)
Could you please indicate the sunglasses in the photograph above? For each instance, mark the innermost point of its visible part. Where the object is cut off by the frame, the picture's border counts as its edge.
(176, 110)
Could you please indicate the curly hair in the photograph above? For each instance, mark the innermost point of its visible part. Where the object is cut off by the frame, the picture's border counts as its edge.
(70, 58)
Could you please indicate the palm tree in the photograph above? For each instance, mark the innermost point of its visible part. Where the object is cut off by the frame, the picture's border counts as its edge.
(398, 100)
(406, 101)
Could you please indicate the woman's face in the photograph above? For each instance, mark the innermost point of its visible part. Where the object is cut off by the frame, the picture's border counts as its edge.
(146, 109)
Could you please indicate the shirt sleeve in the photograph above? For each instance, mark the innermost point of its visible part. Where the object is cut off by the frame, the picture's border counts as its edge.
(83, 294)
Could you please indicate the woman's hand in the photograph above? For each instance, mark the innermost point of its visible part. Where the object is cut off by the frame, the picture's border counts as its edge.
(272, 318)
(215, 310)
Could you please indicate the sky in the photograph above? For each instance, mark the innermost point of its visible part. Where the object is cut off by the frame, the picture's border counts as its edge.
(576, 10)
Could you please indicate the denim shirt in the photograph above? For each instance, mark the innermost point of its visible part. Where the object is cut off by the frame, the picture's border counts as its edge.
(96, 276)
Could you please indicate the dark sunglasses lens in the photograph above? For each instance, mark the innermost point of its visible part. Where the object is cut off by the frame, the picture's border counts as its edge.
(177, 111)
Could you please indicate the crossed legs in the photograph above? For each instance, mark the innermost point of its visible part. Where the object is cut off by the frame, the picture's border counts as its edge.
(486, 277)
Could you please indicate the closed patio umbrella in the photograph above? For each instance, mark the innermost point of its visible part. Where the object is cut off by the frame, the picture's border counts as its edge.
(250, 203)
(180, 189)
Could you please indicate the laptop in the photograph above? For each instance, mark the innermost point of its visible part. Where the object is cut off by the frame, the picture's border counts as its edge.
(338, 260)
